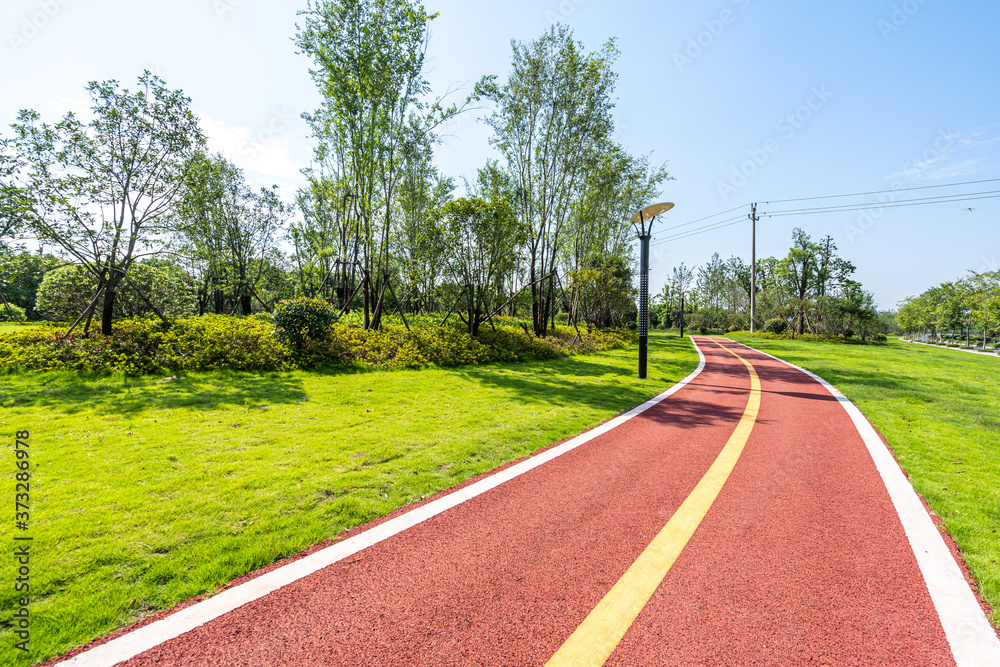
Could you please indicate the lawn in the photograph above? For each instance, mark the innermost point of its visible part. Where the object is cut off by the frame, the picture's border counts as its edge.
(149, 491)
(940, 411)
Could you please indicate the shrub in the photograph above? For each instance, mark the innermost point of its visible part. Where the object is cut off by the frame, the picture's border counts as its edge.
(776, 326)
(65, 293)
(302, 320)
(143, 346)
(217, 342)
(18, 315)
(428, 344)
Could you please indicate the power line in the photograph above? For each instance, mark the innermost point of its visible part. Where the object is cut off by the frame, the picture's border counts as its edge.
(738, 221)
(702, 230)
(839, 208)
(926, 201)
(880, 192)
(687, 224)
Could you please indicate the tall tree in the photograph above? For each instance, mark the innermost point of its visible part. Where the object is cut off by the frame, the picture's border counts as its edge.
(799, 269)
(368, 58)
(551, 117)
(419, 248)
(103, 190)
(600, 236)
(327, 240)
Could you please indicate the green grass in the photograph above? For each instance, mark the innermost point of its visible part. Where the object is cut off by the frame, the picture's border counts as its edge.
(940, 411)
(15, 326)
(149, 491)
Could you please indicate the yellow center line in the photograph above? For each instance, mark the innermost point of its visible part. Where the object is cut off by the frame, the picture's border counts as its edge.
(600, 633)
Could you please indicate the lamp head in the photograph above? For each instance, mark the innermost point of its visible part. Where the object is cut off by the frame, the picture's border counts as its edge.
(646, 216)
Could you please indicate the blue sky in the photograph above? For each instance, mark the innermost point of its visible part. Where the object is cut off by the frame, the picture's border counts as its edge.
(748, 100)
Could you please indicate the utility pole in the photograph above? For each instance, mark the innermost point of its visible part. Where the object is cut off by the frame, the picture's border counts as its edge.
(753, 267)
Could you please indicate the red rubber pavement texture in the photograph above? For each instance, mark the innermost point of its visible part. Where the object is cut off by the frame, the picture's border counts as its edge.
(800, 561)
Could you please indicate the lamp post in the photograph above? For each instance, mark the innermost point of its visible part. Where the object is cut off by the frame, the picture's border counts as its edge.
(682, 311)
(643, 221)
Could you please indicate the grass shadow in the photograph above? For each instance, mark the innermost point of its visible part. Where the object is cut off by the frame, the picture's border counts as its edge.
(69, 394)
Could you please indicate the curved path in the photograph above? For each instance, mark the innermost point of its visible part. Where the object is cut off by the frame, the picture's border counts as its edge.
(740, 520)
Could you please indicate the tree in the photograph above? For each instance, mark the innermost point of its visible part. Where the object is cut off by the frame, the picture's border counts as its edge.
(669, 300)
(228, 228)
(551, 118)
(327, 240)
(984, 299)
(369, 57)
(799, 269)
(600, 236)
(479, 239)
(857, 309)
(103, 190)
(419, 246)
(606, 295)
(14, 201)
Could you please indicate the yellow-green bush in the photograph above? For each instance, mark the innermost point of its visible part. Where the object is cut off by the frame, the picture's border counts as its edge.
(142, 346)
(218, 342)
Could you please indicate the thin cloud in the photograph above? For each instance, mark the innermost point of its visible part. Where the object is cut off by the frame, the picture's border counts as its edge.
(953, 155)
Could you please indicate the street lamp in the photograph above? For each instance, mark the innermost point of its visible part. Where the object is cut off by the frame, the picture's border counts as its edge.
(682, 311)
(643, 221)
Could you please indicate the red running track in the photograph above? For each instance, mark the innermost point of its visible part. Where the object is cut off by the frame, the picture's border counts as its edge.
(801, 560)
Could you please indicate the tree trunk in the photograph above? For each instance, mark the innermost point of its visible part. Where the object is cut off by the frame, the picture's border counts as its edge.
(535, 307)
(366, 288)
(246, 304)
(108, 314)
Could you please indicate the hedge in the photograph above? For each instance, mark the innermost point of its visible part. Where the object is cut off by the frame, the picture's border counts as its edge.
(219, 342)
(144, 346)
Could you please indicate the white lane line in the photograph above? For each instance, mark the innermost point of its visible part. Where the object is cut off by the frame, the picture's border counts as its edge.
(973, 641)
(132, 644)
